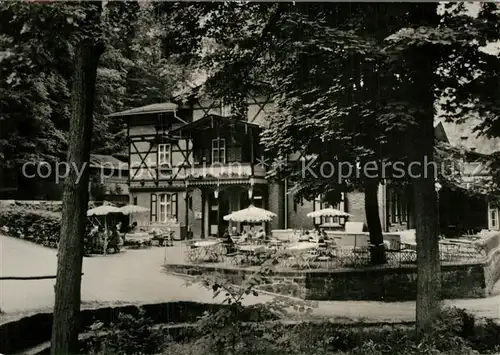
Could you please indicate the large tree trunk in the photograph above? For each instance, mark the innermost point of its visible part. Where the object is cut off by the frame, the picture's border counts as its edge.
(426, 223)
(428, 262)
(66, 325)
(423, 179)
(422, 62)
(377, 249)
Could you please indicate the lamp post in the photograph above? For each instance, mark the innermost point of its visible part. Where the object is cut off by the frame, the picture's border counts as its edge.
(437, 187)
(186, 212)
(216, 195)
(250, 190)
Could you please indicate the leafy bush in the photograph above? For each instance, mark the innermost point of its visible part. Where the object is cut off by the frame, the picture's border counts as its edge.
(486, 336)
(51, 206)
(453, 333)
(39, 226)
(216, 334)
(225, 331)
(129, 335)
(24, 221)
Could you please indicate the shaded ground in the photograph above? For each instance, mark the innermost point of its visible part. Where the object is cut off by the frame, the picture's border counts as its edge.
(136, 276)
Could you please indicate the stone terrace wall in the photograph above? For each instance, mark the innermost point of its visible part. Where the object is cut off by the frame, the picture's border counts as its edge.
(287, 283)
(472, 280)
(392, 283)
(492, 270)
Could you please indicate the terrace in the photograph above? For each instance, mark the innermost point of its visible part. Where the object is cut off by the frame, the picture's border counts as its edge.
(313, 270)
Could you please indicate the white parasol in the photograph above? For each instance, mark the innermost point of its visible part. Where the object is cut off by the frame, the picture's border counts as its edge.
(251, 214)
(131, 209)
(328, 212)
(103, 210)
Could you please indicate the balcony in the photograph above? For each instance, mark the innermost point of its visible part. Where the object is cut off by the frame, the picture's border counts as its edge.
(229, 170)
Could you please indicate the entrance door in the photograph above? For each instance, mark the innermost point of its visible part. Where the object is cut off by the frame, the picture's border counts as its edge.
(213, 214)
(224, 211)
(218, 209)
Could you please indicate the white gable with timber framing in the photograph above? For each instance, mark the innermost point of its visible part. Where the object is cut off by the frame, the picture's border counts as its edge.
(258, 109)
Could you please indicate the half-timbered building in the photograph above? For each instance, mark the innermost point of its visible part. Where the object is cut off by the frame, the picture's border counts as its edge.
(192, 163)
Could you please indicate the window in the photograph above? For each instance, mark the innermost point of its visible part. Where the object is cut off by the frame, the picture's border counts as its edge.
(393, 202)
(167, 207)
(164, 156)
(153, 216)
(219, 151)
(398, 210)
(494, 224)
(135, 200)
(404, 210)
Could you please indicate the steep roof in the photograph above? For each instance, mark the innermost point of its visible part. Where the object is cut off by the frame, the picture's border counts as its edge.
(107, 162)
(463, 136)
(148, 109)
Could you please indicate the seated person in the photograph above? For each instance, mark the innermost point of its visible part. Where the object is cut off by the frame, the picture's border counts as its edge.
(251, 232)
(133, 228)
(261, 235)
(234, 231)
(115, 239)
(246, 237)
(321, 237)
(94, 231)
(228, 242)
(323, 234)
(305, 237)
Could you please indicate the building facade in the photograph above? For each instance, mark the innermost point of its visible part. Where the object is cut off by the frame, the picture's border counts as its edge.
(192, 163)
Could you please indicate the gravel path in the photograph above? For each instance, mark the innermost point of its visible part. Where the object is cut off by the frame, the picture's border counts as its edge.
(136, 276)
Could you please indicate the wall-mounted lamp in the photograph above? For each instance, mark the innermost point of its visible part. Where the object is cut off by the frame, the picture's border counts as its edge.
(216, 191)
(185, 192)
(250, 190)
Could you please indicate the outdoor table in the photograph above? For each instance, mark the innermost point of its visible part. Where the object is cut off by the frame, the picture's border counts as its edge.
(138, 235)
(206, 243)
(301, 252)
(251, 252)
(303, 246)
(204, 250)
(275, 243)
(139, 238)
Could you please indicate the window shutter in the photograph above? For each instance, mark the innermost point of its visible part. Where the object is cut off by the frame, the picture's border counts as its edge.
(153, 207)
(174, 206)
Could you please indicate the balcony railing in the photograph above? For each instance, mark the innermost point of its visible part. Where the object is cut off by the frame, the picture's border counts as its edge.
(229, 170)
(225, 170)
